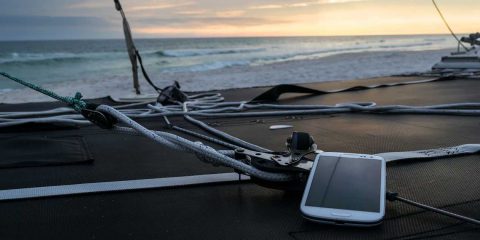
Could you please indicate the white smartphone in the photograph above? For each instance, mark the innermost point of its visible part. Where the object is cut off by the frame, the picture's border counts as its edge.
(346, 189)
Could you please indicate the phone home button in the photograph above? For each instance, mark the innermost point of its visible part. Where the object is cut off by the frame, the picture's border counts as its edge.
(341, 214)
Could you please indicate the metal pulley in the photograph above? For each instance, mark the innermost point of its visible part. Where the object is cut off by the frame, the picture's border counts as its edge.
(299, 144)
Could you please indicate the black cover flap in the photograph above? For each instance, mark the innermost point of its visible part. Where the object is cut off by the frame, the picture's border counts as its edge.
(31, 151)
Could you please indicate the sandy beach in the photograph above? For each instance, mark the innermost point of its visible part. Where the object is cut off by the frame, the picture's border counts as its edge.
(332, 68)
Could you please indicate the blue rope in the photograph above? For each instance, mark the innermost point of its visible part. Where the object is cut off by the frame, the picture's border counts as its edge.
(75, 102)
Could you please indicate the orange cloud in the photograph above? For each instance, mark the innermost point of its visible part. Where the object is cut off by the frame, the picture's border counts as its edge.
(161, 6)
(232, 13)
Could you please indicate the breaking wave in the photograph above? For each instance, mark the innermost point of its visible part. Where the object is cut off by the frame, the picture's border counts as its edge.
(208, 66)
(407, 45)
(204, 52)
(50, 58)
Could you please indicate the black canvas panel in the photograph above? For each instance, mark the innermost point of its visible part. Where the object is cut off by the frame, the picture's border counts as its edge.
(35, 151)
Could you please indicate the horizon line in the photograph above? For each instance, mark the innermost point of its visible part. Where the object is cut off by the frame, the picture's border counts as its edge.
(226, 37)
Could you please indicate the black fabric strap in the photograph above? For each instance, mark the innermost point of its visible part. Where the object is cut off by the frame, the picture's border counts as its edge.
(131, 49)
(274, 93)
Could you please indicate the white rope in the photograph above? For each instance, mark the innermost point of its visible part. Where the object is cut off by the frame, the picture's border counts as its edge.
(240, 109)
(182, 144)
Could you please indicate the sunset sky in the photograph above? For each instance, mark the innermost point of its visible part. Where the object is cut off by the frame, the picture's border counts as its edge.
(74, 19)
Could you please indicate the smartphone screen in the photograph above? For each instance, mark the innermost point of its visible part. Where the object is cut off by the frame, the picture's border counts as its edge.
(346, 183)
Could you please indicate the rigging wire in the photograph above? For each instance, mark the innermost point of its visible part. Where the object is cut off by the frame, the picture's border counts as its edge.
(393, 196)
(448, 26)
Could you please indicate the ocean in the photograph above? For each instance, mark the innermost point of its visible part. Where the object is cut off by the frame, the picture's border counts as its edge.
(103, 60)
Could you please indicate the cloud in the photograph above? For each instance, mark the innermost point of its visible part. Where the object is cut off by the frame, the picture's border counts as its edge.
(270, 6)
(91, 5)
(161, 6)
(302, 4)
(138, 6)
(46, 27)
(232, 13)
(207, 21)
(47, 21)
(192, 12)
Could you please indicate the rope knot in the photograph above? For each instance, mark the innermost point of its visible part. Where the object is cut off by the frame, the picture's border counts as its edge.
(77, 103)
